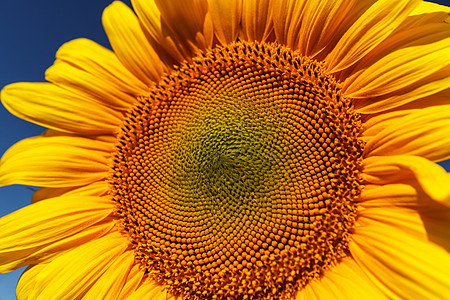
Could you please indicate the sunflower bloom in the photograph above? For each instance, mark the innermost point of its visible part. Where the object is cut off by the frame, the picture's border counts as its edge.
(238, 149)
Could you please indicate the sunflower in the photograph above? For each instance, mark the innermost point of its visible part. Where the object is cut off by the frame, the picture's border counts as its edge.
(238, 149)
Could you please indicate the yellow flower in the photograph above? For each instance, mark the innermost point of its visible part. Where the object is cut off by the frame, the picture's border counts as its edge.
(238, 149)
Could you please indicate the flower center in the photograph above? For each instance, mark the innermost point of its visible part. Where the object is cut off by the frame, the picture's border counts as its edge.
(235, 176)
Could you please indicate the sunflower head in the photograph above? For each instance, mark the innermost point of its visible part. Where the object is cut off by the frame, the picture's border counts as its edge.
(240, 166)
(238, 149)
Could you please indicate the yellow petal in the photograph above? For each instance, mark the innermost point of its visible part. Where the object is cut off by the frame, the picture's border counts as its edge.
(346, 280)
(158, 33)
(423, 133)
(425, 220)
(96, 189)
(419, 214)
(429, 86)
(316, 20)
(186, 21)
(385, 195)
(226, 16)
(48, 252)
(414, 28)
(55, 162)
(40, 230)
(405, 219)
(405, 66)
(433, 179)
(375, 123)
(130, 44)
(70, 275)
(88, 69)
(256, 20)
(398, 262)
(377, 23)
(132, 282)
(50, 106)
(27, 281)
(149, 290)
(426, 7)
(341, 18)
(111, 283)
(287, 16)
(104, 138)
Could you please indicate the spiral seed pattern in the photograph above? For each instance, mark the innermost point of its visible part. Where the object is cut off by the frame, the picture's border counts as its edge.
(235, 176)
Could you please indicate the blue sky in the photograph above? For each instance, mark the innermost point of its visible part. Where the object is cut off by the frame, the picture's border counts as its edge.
(31, 31)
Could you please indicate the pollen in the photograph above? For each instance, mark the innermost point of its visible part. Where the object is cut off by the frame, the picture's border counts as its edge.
(235, 176)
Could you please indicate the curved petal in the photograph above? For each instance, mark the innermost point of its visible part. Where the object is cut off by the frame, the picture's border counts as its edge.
(398, 260)
(387, 195)
(158, 33)
(40, 230)
(377, 23)
(422, 90)
(427, 54)
(104, 138)
(256, 20)
(316, 21)
(409, 204)
(426, 7)
(149, 290)
(226, 17)
(70, 275)
(130, 44)
(88, 69)
(55, 162)
(346, 280)
(423, 133)
(27, 281)
(133, 280)
(375, 123)
(53, 107)
(433, 179)
(96, 189)
(111, 283)
(341, 18)
(287, 16)
(416, 26)
(187, 21)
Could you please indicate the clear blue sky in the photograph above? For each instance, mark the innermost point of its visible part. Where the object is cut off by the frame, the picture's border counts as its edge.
(30, 33)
